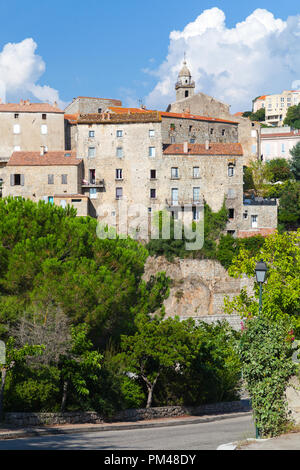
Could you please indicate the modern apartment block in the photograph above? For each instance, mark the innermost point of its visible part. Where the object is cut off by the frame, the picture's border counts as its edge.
(276, 106)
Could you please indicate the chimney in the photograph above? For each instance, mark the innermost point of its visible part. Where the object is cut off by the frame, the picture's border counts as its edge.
(207, 145)
(185, 147)
(42, 150)
(55, 104)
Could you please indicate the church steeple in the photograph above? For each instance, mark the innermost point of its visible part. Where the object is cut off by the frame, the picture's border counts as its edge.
(185, 86)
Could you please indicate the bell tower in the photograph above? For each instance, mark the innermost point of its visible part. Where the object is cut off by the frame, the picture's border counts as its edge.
(185, 86)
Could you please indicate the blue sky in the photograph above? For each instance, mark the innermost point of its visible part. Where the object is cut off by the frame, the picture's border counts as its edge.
(121, 49)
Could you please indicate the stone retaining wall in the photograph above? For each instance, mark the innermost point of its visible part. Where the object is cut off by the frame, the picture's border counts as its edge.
(35, 419)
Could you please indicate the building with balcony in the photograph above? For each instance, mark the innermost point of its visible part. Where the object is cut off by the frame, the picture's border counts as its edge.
(276, 106)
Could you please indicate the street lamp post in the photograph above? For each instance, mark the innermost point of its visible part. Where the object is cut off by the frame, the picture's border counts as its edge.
(260, 271)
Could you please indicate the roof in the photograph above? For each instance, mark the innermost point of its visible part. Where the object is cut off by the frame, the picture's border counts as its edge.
(58, 158)
(112, 118)
(121, 110)
(112, 100)
(195, 117)
(215, 148)
(281, 134)
(27, 107)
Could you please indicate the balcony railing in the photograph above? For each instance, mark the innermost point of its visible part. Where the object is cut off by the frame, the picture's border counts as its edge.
(94, 183)
(185, 202)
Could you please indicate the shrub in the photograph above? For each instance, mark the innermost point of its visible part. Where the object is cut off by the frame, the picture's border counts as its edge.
(266, 354)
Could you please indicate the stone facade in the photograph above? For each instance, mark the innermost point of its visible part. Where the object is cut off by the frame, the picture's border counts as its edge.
(86, 105)
(248, 132)
(41, 177)
(198, 287)
(260, 218)
(27, 126)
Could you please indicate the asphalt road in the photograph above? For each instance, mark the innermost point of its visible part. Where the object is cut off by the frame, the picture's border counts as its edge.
(203, 436)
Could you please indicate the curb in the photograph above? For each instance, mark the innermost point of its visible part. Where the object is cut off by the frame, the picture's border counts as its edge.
(30, 432)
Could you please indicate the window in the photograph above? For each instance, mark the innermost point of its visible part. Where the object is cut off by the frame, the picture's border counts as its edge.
(44, 116)
(151, 151)
(196, 194)
(211, 131)
(119, 174)
(190, 128)
(173, 139)
(51, 199)
(152, 174)
(91, 133)
(192, 140)
(268, 149)
(93, 193)
(231, 213)
(50, 179)
(195, 213)
(64, 179)
(230, 170)
(92, 176)
(17, 180)
(91, 152)
(254, 221)
(174, 172)
(196, 172)
(231, 232)
(153, 193)
(17, 148)
(119, 152)
(63, 203)
(152, 133)
(17, 115)
(174, 195)
(282, 148)
(44, 129)
(99, 110)
(119, 133)
(223, 131)
(253, 148)
(119, 193)
(253, 133)
(245, 215)
(17, 129)
(186, 94)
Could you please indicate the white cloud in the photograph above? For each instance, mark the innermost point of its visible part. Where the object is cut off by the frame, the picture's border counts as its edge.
(259, 55)
(20, 70)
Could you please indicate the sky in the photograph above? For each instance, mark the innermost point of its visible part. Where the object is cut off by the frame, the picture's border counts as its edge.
(133, 50)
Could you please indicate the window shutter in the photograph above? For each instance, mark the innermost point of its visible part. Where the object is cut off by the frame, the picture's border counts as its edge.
(22, 180)
(12, 180)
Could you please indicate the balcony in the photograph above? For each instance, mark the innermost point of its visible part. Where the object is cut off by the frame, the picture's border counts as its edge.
(185, 202)
(94, 183)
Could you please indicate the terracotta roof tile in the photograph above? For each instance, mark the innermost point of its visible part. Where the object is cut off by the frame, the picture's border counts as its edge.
(111, 118)
(196, 117)
(59, 158)
(199, 149)
(27, 107)
(281, 134)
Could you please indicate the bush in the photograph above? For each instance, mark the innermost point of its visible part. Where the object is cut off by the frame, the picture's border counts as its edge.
(266, 354)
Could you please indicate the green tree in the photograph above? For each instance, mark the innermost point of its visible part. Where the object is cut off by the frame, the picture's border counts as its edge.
(281, 252)
(14, 357)
(289, 207)
(80, 365)
(280, 169)
(158, 345)
(295, 161)
(293, 117)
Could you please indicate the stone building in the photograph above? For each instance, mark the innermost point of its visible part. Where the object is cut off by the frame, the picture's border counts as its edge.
(27, 126)
(43, 175)
(203, 105)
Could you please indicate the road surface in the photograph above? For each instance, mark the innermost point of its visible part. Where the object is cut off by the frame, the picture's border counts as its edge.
(201, 436)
